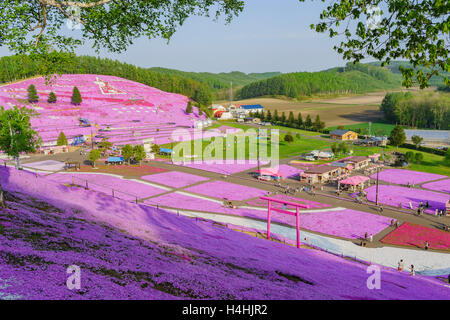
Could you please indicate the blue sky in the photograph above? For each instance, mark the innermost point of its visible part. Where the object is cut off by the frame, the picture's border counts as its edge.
(270, 35)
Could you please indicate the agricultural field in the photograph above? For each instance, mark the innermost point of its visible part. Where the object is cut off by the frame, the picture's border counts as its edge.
(333, 114)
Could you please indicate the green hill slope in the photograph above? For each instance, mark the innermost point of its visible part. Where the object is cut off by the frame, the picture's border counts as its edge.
(395, 65)
(358, 78)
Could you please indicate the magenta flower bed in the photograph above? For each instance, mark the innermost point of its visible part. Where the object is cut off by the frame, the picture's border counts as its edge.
(225, 167)
(107, 101)
(226, 190)
(123, 189)
(400, 176)
(174, 179)
(309, 203)
(393, 196)
(414, 235)
(161, 256)
(442, 186)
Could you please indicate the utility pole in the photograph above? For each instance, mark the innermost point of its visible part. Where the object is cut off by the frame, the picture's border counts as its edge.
(231, 93)
(376, 201)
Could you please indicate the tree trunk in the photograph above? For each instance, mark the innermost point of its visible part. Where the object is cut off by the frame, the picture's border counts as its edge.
(2, 199)
(17, 162)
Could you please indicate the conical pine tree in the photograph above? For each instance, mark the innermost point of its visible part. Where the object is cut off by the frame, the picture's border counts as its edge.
(51, 97)
(76, 96)
(32, 94)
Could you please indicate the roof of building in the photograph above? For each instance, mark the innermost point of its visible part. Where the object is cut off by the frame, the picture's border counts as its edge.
(355, 159)
(252, 106)
(321, 169)
(340, 132)
(354, 181)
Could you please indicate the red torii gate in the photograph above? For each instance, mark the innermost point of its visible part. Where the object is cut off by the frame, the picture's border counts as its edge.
(288, 203)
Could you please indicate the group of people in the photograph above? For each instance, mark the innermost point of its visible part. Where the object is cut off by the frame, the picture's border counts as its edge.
(401, 267)
(395, 223)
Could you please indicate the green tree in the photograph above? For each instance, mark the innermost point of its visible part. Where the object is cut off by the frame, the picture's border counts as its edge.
(298, 136)
(16, 136)
(156, 148)
(397, 136)
(16, 133)
(189, 108)
(447, 157)
(283, 118)
(308, 122)
(291, 119)
(318, 124)
(32, 94)
(343, 148)
(139, 153)
(335, 148)
(419, 157)
(409, 156)
(76, 96)
(299, 120)
(288, 138)
(62, 139)
(417, 31)
(52, 98)
(276, 117)
(416, 140)
(105, 145)
(127, 152)
(94, 155)
(269, 116)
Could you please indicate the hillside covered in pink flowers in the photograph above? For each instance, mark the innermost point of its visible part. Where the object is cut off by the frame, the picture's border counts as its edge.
(129, 251)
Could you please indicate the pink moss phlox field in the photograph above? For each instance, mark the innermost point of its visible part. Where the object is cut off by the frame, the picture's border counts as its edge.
(108, 101)
(123, 189)
(174, 179)
(158, 255)
(309, 203)
(414, 235)
(224, 167)
(393, 196)
(346, 223)
(226, 190)
(442, 186)
(401, 176)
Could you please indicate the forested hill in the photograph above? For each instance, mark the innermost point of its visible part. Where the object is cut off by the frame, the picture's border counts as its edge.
(354, 78)
(13, 68)
(394, 66)
(219, 81)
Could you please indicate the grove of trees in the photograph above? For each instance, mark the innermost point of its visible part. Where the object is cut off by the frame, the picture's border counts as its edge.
(426, 110)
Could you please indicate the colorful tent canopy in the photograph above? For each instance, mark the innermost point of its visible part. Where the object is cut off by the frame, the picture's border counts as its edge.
(354, 181)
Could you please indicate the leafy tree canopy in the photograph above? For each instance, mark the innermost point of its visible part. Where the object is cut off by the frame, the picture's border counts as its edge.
(62, 139)
(417, 31)
(39, 27)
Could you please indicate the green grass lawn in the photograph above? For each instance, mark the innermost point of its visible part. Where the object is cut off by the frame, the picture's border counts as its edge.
(286, 150)
(378, 128)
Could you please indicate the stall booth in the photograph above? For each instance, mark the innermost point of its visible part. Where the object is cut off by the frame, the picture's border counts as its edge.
(355, 183)
(447, 207)
(268, 174)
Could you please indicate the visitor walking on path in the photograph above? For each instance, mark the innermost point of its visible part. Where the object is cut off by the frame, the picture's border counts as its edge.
(400, 265)
(413, 272)
(371, 238)
(426, 245)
